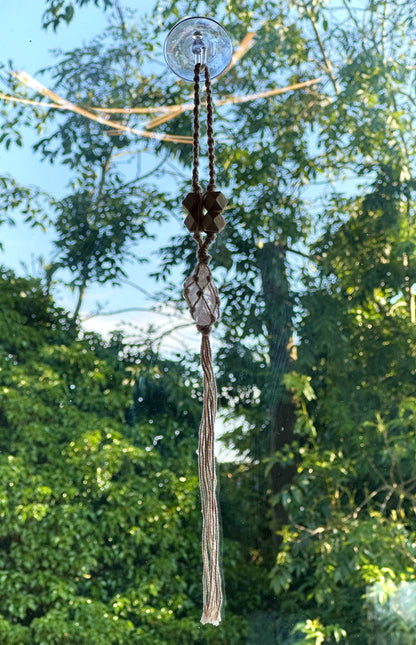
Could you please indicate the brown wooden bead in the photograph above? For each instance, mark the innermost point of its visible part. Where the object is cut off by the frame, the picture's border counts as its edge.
(214, 201)
(193, 206)
(192, 224)
(213, 223)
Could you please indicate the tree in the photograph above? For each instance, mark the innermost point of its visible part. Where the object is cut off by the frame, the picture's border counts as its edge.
(100, 221)
(340, 478)
(338, 457)
(357, 462)
(355, 441)
(111, 207)
(99, 508)
(58, 11)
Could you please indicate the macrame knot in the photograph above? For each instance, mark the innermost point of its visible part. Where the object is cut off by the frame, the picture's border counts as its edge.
(203, 255)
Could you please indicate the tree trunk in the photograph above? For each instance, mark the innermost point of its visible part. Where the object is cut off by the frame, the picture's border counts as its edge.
(279, 322)
(81, 294)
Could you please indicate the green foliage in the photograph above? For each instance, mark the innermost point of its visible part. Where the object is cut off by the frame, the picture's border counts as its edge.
(58, 11)
(329, 430)
(110, 205)
(350, 507)
(105, 231)
(392, 612)
(317, 634)
(31, 202)
(99, 511)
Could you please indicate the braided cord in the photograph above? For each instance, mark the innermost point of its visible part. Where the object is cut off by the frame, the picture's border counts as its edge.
(210, 131)
(196, 187)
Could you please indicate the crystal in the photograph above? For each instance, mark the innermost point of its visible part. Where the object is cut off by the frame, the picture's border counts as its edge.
(201, 294)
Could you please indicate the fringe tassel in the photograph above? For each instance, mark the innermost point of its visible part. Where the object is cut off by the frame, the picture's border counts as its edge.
(211, 577)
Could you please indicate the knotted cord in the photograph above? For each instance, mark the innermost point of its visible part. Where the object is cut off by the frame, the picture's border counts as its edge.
(196, 187)
(202, 297)
(210, 132)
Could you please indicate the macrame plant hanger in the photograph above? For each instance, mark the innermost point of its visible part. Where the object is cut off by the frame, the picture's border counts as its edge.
(199, 49)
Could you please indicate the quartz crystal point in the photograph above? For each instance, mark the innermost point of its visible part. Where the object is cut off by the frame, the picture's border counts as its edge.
(201, 294)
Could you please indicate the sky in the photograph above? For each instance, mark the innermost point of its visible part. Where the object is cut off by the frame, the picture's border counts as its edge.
(29, 47)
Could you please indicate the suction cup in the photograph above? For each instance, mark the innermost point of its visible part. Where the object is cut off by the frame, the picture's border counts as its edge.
(197, 40)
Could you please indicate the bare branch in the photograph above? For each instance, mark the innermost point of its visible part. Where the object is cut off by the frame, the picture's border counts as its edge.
(326, 59)
(26, 79)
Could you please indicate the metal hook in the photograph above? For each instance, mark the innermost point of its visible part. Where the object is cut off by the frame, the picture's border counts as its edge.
(199, 49)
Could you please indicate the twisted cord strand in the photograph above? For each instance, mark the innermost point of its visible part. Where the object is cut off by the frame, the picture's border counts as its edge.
(196, 187)
(210, 132)
(203, 246)
(211, 577)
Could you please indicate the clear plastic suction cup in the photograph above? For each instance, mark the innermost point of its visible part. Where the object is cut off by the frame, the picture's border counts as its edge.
(197, 40)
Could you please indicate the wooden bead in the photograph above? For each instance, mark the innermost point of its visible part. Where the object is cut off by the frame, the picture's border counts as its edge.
(193, 206)
(213, 223)
(192, 224)
(214, 201)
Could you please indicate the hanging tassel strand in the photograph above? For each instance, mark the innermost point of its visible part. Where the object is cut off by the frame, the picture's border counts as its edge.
(208, 481)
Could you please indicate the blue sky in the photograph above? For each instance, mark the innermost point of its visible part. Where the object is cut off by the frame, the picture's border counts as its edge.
(30, 47)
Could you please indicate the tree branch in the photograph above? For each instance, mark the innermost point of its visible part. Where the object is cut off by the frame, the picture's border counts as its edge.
(326, 59)
(383, 31)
